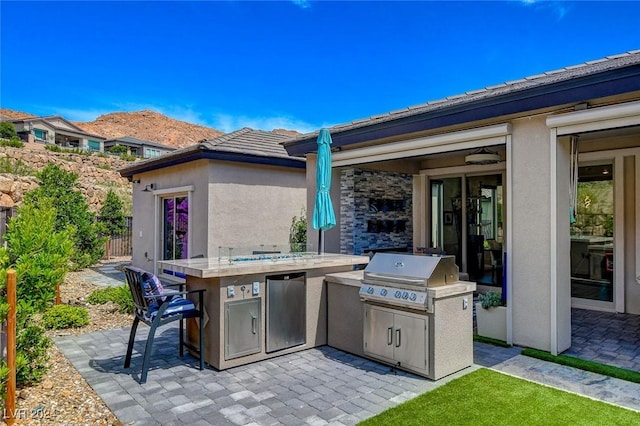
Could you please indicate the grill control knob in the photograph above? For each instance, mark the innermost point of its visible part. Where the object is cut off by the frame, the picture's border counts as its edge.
(413, 297)
(383, 292)
(370, 290)
(397, 294)
(405, 294)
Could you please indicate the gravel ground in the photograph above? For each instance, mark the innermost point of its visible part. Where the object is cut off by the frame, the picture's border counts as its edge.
(63, 397)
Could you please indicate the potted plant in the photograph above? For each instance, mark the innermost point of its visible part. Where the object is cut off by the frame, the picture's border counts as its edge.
(491, 316)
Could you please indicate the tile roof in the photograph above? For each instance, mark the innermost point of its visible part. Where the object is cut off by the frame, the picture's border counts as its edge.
(251, 142)
(539, 80)
(245, 145)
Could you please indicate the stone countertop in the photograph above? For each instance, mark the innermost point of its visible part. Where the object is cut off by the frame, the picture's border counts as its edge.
(215, 267)
(353, 278)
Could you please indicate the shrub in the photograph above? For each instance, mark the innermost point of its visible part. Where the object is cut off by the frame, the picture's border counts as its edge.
(490, 299)
(65, 316)
(7, 130)
(31, 354)
(298, 232)
(127, 157)
(39, 252)
(53, 148)
(16, 167)
(71, 210)
(119, 295)
(118, 149)
(112, 215)
(103, 155)
(103, 166)
(14, 142)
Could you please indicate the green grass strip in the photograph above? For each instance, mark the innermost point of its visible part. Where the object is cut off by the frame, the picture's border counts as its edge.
(487, 397)
(583, 364)
(489, 340)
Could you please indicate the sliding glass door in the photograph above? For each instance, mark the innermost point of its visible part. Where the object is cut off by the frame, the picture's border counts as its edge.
(466, 221)
(592, 237)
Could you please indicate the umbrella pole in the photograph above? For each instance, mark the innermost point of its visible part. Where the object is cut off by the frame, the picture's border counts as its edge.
(319, 241)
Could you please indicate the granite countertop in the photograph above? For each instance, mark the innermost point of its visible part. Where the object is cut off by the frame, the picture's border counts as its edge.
(215, 267)
(353, 278)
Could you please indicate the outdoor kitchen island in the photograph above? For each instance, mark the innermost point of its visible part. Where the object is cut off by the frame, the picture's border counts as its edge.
(261, 306)
(411, 312)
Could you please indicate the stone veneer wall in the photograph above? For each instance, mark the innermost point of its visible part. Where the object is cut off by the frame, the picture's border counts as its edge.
(362, 227)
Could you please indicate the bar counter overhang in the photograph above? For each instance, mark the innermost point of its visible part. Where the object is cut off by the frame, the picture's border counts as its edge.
(236, 303)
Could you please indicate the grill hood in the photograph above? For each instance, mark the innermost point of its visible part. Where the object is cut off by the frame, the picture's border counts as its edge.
(411, 270)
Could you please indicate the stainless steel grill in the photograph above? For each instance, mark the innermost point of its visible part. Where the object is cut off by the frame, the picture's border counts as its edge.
(403, 280)
(416, 314)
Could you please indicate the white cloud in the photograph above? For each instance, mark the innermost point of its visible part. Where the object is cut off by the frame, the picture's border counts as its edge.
(558, 8)
(304, 4)
(228, 123)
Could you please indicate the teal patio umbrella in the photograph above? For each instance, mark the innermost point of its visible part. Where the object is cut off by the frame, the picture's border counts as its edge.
(323, 216)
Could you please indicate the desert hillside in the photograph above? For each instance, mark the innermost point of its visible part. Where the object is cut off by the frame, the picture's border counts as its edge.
(146, 125)
(14, 115)
(149, 125)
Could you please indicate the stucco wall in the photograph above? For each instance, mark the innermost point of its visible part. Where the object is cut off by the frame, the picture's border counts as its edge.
(144, 210)
(531, 234)
(251, 205)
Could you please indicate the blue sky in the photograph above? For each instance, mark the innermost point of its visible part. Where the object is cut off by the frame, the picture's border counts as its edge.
(298, 64)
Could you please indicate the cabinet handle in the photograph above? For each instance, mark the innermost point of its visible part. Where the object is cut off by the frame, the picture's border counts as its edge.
(253, 324)
(389, 336)
(398, 335)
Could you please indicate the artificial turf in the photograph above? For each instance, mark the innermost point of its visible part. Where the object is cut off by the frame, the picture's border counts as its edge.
(583, 364)
(487, 397)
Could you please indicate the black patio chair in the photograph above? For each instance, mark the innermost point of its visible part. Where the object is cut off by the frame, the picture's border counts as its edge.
(159, 309)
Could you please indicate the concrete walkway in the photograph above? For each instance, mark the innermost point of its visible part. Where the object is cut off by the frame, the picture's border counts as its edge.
(318, 386)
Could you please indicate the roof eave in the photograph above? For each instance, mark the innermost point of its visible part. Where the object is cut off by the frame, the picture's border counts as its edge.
(580, 89)
(203, 153)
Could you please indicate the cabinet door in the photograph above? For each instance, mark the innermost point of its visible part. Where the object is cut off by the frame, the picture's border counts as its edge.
(242, 328)
(410, 341)
(378, 332)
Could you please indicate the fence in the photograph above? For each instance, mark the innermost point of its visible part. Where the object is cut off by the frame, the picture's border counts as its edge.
(6, 213)
(119, 245)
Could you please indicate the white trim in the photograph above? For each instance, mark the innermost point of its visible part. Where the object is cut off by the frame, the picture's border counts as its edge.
(468, 170)
(607, 117)
(618, 233)
(553, 235)
(176, 190)
(508, 202)
(157, 195)
(465, 139)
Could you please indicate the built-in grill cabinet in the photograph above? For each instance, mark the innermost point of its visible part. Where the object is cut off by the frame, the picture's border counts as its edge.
(417, 314)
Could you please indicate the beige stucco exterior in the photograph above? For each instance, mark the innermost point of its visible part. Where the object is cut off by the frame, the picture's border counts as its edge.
(231, 204)
(535, 167)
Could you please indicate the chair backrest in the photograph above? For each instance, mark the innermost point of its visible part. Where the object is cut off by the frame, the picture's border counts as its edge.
(136, 286)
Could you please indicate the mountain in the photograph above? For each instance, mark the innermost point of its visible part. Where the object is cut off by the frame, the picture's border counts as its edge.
(14, 115)
(149, 125)
(146, 125)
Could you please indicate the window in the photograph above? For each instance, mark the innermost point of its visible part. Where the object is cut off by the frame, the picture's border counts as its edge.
(152, 153)
(175, 228)
(94, 145)
(40, 134)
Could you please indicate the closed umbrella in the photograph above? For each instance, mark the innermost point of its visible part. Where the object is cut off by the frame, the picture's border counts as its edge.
(323, 215)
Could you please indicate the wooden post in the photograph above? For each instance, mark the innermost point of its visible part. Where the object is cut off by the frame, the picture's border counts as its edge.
(10, 403)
